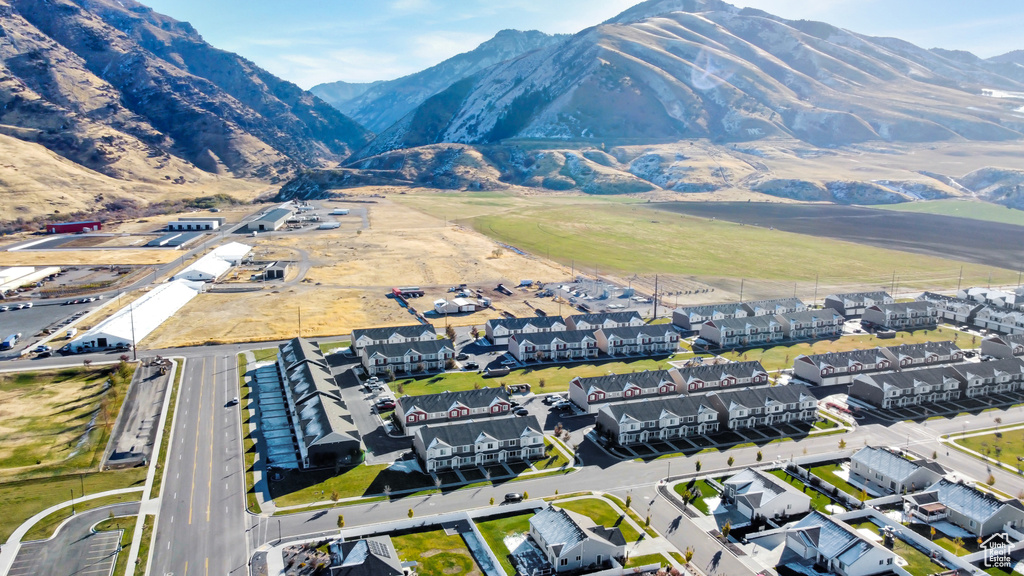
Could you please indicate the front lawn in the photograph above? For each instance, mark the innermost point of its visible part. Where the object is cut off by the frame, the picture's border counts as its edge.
(305, 487)
(495, 531)
(556, 378)
(970, 545)
(645, 559)
(918, 563)
(602, 513)
(699, 490)
(818, 500)
(1003, 446)
(554, 459)
(437, 553)
(828, 472)
(781, 357)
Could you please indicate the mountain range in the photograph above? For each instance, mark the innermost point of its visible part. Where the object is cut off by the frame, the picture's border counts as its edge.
(109, 95)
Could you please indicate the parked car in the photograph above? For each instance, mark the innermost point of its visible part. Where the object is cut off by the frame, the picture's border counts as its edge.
(42, 348)
(470, 366)
(520, 411)
(513, 497)
(4, 308)
(563, 405)
(462, 356)
(553, 399)
(508, 362)
(970, 354)
(46, 354)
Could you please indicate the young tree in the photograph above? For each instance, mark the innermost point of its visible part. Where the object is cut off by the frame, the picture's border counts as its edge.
(688, 554)
(411, 513)
(842, 444)
(341, 520)
(697, 465)
(449, 331)
(931, 532)
(731, 460)
(726, 528)
(526, 495)
(335, 496)
(759, 456)
(492, 500)
(959, 543)
(474, 332)
(629, 500)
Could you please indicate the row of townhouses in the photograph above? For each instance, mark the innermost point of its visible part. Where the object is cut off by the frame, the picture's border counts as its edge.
(902, 315)
(692, 317)
(842, 367)
(671, 417)
(473, 443)
(939, 384)
(992, 315)
(500, 330)
(583, 344)
(590, 394)
(768, 329)
(852, 304)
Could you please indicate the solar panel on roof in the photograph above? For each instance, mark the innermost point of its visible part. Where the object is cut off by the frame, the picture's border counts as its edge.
(378, 549)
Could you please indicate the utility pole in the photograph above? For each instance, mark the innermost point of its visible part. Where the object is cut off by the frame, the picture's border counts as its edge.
(300, 321)
(959, 278)
(655, 296)
(131, 318)
(815, 302)
(741, 289)
(892, 285)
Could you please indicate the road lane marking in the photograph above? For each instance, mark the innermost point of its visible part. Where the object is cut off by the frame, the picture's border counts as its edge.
(195, 456)
(207, 567)
(213, 409)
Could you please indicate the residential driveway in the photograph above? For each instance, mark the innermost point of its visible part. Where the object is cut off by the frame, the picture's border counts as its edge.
(75, 549)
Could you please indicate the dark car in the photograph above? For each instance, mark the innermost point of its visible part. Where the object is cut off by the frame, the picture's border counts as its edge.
(521, 411)
(46, 354)
(513, 497)
(470, 365)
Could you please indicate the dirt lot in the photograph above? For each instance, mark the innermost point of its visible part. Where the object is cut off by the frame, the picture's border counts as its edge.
(351, 272)
(232, 214)
(126, 256)
(929, 234)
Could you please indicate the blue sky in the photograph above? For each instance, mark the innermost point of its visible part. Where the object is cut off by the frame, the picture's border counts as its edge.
(313, 41)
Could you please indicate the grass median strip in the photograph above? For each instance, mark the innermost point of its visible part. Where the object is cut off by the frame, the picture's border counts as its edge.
(147, 539)
(165, 444)
(127, 526)
(46, 527)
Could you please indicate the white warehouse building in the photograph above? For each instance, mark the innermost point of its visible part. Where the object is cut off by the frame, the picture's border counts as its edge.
(215, 264)
(137, 320)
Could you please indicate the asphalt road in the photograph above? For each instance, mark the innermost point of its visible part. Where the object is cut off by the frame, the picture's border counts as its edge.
(75, 549)
(201, 526)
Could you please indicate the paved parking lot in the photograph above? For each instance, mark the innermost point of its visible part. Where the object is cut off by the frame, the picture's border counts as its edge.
(31, 321)
(76, 549)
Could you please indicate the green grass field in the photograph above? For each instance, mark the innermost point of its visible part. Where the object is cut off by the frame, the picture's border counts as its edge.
(58, 422)
(147, 539)
(554, 460)
(602, 513)
(973, 209)
(699, 490)
(828, 474)
(1003, 446)
(24, 499)
(780, 357)
(970, 545)
(494, 533)
(818, 500)
(437, 553)
(645, 559)
(620, 237)
(46, 527)
(556, 378)
(918, 563)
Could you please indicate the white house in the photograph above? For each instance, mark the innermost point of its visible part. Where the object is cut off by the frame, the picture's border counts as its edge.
(593, 392)
(364, 337)
(498, 330)
(889, 473)
(853, 303)
(638, 340)
(832, 543)
(840, 367)
(978, 512)
(412, 411)
(605, 320)
(473, 443)
(691, 317)
(757, 493)
(666, 418)
(910, 388)
(407, 357)
(572, 541)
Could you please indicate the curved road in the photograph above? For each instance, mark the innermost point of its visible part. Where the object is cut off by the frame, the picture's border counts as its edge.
(74, 549)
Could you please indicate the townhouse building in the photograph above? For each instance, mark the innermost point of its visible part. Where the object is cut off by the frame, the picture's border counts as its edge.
(736, 332)
(478, 442)
(605, 320)
(907, 356)
(691, 317)
(561, 346)
(699, 379)
(628, 423)
(992, 377)
(811, 324)
(364, 337)
(764, 406)
(652, 340)
(407, 357)
(592, 393)
(774, 306)
(498, 330)
(851, 304)
(909, 388)
(413, 411)
(902, 316)
(840, 367)
(1003, 346)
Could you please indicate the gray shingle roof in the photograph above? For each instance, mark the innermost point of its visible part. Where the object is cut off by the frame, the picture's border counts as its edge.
(708, 310)
(757, 487)
(909, 379)
(517, 324)
(652, 409)
(619, 382)
(1009, 338)
(422, 348)
(763, 396)
(563, 529)
(441, 402)
(868, 356)
(892, 465)
(831, 539)
(411, 331)
(547, 338)
(633, 332)
(805, 316)
(621, 317)
(715, 372)
(860, 297)
(904, 307)
(740, 324)
(991, 368)
(774, 303)
(374, 556)
(299, 350)
(970, 502)
(466, 432)
(321, 414)
(923, 349)
(275, 215)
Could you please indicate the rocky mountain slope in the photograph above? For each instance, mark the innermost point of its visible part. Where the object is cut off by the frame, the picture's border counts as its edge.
(380, 104)
(672, 69)
(130, 94)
